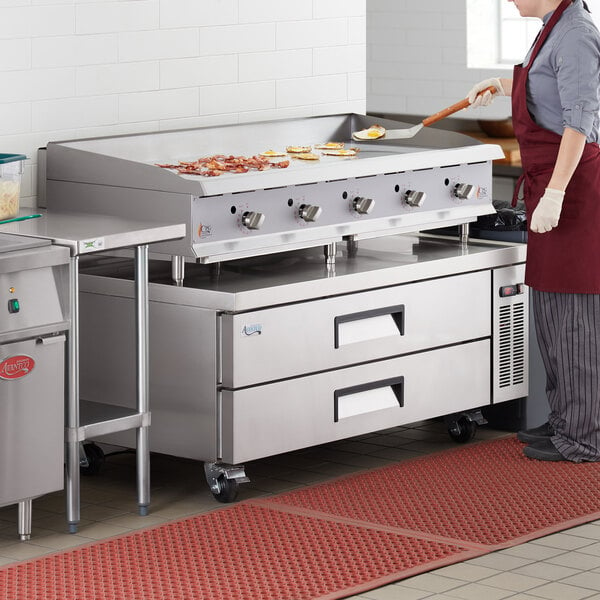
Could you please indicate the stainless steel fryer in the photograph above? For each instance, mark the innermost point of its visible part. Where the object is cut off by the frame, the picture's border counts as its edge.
(34, 313)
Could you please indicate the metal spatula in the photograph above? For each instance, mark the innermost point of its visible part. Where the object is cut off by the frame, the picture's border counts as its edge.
(395, 134)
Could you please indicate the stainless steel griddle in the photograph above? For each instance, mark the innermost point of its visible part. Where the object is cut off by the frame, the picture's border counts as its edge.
(435, 178)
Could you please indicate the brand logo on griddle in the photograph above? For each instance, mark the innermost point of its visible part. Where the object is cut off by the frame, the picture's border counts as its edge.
(17, 366)
(255, 329)
(204, 230)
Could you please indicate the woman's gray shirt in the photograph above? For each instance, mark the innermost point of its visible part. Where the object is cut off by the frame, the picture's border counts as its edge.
(563, 88)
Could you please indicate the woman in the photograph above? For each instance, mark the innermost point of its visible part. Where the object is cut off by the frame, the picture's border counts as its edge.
(555, 103)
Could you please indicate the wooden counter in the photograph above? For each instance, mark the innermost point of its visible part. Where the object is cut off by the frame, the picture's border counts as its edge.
(512, 154)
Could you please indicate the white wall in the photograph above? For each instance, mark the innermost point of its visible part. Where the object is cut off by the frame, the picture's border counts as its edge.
(79, 68)
(417, 58)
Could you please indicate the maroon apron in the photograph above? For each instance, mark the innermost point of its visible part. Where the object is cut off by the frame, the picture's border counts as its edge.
(567, 258)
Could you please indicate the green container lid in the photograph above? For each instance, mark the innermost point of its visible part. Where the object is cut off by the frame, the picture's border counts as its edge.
(7, 158)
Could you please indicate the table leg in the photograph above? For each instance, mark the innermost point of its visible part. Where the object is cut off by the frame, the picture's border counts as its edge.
(143, 403)
(72, 408)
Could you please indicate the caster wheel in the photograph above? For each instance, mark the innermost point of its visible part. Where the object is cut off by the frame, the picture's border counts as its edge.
(95, 458)
(228, 489)
(462, 430)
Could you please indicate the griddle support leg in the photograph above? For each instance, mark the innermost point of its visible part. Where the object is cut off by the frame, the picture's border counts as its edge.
(330, 251)
(464, 234)
(178, 269)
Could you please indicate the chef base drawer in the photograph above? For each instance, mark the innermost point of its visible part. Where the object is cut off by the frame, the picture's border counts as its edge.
(289, 341)
(288, 415)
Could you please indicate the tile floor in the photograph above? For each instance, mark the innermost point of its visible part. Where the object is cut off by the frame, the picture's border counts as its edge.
(562, 566)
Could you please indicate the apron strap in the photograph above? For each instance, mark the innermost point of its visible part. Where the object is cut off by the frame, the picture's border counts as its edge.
(547, 28)
(518, 185)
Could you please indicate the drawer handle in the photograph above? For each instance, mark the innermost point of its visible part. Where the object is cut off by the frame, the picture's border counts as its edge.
(368, 397)
(368, 325)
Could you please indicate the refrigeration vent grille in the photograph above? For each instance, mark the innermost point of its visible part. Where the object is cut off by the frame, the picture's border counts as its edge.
(511, 341)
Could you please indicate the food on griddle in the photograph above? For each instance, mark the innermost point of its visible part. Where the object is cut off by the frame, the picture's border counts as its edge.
(330, 146)
(272, 153)
(341, 152)
(298, 149)
(213, 166)
(372, 133)
(306, 156)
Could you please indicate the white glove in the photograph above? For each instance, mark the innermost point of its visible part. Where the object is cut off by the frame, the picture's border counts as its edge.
(547, 212)
(487, 98)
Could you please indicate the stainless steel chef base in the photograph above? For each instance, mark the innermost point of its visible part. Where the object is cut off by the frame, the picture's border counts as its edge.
(34, 314)
(270, 355)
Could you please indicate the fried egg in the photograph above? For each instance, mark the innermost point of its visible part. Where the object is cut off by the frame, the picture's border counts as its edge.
(272, 153)
(298, 149)
(330, 146)
(306, 156)
(372, 133)
(340, 152)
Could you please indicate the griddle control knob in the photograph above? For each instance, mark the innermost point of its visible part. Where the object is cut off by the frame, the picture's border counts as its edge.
(309, 212)
(464, 191)
(363, 206)
(414, 198)
(253, 220)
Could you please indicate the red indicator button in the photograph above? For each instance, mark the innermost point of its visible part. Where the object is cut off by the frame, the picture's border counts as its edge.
(510, 290)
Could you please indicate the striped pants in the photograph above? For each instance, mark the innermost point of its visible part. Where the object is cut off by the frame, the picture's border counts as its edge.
(568, 332)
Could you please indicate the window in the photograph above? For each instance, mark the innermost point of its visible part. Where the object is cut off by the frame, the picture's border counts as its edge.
(497, 36)
(515, 33)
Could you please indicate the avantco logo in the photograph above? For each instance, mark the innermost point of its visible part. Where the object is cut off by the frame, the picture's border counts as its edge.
(15, 367)
(254, 329)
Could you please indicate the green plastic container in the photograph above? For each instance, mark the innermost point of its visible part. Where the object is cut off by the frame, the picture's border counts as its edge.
(11, 170)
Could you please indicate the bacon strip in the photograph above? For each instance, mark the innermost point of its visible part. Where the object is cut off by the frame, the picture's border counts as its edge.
(213, 166)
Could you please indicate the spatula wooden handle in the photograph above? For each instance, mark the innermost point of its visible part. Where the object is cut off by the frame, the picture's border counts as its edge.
(446, 112)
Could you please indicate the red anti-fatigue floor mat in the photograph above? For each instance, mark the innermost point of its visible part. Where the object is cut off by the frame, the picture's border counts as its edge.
(243, 552)
(487, 493)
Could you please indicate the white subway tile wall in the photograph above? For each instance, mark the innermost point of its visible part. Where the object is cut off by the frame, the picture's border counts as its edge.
(81, 68)
(417, 59)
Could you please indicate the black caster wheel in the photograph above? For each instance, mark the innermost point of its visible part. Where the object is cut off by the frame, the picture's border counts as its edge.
(228, 489)
(95, 458)
(462, 430)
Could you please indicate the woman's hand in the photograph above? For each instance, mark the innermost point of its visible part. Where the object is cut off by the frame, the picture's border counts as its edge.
(547, 212)
(487, 98)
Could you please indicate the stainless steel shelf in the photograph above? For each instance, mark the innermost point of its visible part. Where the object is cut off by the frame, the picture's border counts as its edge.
(100, 419)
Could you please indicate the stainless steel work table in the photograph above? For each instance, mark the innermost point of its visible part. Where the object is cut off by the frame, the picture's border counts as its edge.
(85, 234)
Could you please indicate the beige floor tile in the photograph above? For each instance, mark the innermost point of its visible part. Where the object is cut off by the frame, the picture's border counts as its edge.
(560, 591)
(587, 579)
(512, 581)
(466, 571)
(430, 582)
(564, 541)
(548, 571)
(477, 591)
(395, 592)
(62, 541)
(576, 560)
(134, 521)
(589, 530)
(500, 561)
(592, 549)
(100, 531)
(23, 551)
(533, 552)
